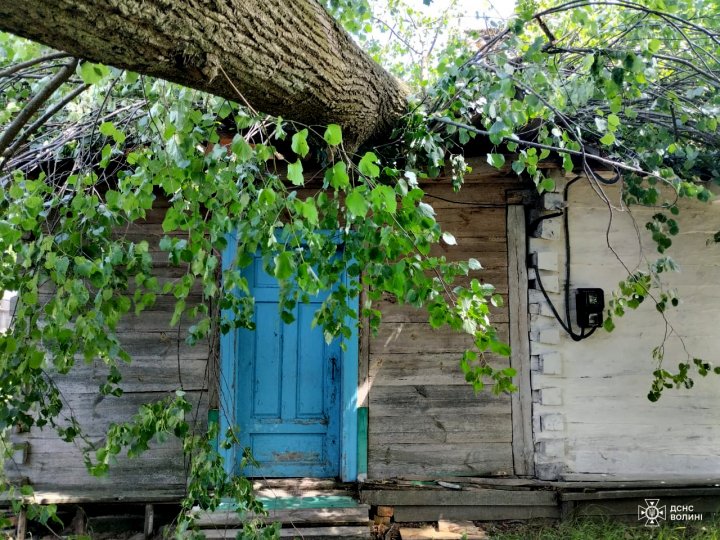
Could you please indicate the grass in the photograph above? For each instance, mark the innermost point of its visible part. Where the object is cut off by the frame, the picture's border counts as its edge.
(594, 529)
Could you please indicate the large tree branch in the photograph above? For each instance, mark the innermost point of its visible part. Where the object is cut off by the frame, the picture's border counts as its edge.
(286, 58)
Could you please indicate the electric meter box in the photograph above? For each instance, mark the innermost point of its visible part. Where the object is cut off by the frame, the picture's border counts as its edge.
(589, 304)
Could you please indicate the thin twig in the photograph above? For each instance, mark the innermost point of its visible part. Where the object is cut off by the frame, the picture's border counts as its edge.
(30, 63)
(35, 103)
(530, 144)
(37, 124)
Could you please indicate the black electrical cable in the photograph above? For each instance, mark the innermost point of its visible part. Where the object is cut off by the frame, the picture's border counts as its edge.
(567, 326)
(466, 203)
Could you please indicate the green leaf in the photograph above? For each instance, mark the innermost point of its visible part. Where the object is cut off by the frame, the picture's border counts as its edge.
(177, 312)
(496, 160)
(547, 185)
(299, 143)
(93, 73)
(654, 45)
(368, 165)
(609, 325)
(36, 359)
(449, 239)
(241, 148)
(474, 264)
(295, 173)
(337, 175)
(284, 265)
(426, 210)
(356, 203)
(266, 196)
(308, 210)
(383, 198)
(608, 139)
(109, 130)
(333, 135)
(501, 349)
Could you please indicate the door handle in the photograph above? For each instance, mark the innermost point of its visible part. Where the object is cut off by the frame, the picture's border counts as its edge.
(333, 367)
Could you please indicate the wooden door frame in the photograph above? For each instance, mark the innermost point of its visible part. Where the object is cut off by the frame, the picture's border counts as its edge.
(228, 377)
(521, 404)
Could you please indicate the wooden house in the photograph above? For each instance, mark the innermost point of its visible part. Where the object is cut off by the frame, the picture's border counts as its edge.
(393, 413)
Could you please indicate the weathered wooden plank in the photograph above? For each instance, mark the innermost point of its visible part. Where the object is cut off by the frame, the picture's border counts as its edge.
(95, 412)
(154, 320)
(429, 533)
(21, 528)
(57, 472)
(296, 516)
(464, 222)
(316, 533)
(486, 248)
(80, 495)
(363, 354)
(69, 479)
(590, 486)
(145, 346)
(421, 337)
(448, 428)
(481, 172)
(143, 374)
(395, 312)
(636, 480)
(413, 369)
(300, 486)
(163, 302)
(641, 493)
(407, 514)
(466, 497)
(472, 250)
(434, 399)
(439, 459)
(484, 193)
(523, 446)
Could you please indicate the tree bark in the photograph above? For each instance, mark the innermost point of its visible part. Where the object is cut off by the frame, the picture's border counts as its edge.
(287, 58)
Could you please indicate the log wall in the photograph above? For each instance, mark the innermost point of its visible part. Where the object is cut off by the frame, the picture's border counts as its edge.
(162, 363)
(424, 418)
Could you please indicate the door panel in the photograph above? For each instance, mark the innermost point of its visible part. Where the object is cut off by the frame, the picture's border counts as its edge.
(288, 388)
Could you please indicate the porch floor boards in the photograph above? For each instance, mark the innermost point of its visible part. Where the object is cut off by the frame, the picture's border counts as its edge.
(306, 508)
(315, 533)
(499, 499)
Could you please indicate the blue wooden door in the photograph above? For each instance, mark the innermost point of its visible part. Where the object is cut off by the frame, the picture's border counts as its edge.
(288, 388)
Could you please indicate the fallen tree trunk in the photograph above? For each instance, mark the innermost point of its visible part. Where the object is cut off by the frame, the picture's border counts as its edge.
(289, 59)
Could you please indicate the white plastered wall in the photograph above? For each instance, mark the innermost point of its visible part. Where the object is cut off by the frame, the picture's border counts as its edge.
(591, 416)
(7, 306)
